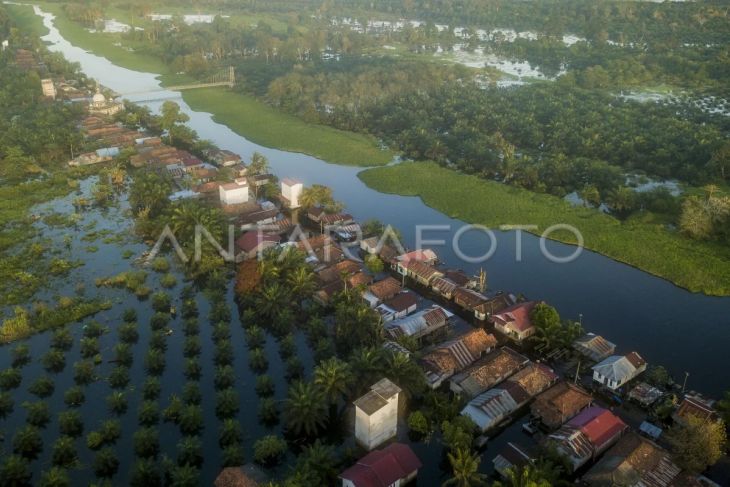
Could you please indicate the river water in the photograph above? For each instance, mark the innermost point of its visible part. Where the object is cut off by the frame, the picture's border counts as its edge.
(665, 324)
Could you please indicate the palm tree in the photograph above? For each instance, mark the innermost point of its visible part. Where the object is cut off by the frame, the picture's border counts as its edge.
(106, 463)
(146, 442)
(305, 409)
(622, 199)
(190, 451)
(64, 452)
(230, 433)
(528, 476)
(465, 468)
(226, 403)
(259, 164)
(185, 476)
(404, 372)
(334, 378)
(270, 300)
(27, 442)
(367, 365)
(301, 282)
(15, 471)
(188, 214)
(55, 477)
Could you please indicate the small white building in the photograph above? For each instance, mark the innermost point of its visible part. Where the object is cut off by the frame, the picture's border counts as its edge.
(376, 414)
(234, 193)
(617, 370)
(291, 191)
(48, 88)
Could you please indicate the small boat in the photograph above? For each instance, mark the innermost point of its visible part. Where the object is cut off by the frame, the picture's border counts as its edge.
(529, 428)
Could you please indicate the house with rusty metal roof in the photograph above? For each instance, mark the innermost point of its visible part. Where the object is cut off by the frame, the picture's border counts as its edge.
(248, 475)
(511, 457)
(419, 271)
(444, 286)
(420, 324)
(594, 347)
(617, 370)
(494, 305)
(490, 408)
(558, 404)
(455, 355)
(634, 462)
(488, 371)
(590, 433)
(694, 405)
(381, 291)
(535, 378)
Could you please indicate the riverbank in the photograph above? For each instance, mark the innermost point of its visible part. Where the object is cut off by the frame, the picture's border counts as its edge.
(246, 115)
(693, 265)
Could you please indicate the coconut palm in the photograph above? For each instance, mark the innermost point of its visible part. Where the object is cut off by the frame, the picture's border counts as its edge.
(334, 378)
(54, 360)
(117, 402)
(465, 469)
(74, 396)
(305, 409)
(232, 456)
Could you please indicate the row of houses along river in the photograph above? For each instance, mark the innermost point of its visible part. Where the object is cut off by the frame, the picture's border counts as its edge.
(686, 332)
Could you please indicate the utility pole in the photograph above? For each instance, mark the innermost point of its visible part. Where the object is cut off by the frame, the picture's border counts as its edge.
(577, 370)
(684, 385)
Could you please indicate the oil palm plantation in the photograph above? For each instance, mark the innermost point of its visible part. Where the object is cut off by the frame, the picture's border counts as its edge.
(55, 477)
(305, 410)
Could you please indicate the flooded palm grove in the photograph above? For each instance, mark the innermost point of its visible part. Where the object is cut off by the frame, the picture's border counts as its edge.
(685, 332)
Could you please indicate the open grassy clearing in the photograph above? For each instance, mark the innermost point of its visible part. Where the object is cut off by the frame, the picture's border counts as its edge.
(267, 126)
(697, 266)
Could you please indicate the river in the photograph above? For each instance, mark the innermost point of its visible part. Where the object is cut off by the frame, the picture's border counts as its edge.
(667, 325)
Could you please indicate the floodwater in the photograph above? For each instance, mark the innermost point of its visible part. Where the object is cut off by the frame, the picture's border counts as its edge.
(684, 331)
(667, 325)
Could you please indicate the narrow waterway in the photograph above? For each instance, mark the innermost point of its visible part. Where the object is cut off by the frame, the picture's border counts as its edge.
(667, 325)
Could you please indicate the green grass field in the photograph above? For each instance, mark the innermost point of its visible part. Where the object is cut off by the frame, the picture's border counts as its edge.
(697, 266)
(26, 20)
(267, 126)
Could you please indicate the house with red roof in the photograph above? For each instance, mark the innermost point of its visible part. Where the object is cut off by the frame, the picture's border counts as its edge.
(251, 243)
(694, 405)
(392, 466)
(587, 435)
(514, 322)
